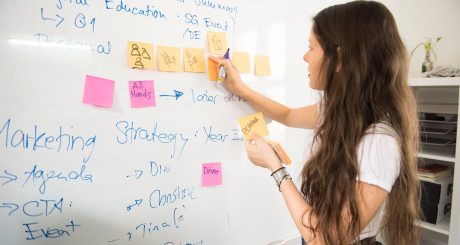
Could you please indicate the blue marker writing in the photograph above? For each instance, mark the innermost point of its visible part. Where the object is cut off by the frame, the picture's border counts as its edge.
(222, 74)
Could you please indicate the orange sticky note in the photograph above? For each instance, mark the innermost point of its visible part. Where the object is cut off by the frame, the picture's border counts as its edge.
(194, 60)
(282, 155)
(168, 58)
(140, 55)
(253, 123)
(241, 61)
(262, 65)
(217, 42)
(212, 70)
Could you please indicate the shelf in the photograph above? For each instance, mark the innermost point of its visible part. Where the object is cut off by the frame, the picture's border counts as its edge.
(441, 96)
(434, 81)
(438, 122)
(439, 108)
(437, 155)
(443, 226)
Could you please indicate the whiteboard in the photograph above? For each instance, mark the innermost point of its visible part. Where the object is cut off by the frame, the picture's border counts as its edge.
(72, 173)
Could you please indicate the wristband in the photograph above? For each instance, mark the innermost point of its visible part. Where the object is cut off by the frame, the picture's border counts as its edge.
(279, 175)
(281, 181)
(280, 169)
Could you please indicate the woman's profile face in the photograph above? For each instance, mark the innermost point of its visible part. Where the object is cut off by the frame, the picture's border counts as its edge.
(314, 58)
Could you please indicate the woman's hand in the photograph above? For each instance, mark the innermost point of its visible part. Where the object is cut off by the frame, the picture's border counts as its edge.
(232, 79)
(262, 154)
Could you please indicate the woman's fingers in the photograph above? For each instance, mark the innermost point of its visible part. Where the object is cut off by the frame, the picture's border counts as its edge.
(253, 140)
(221, 61)
(261, 153)
(232, 80)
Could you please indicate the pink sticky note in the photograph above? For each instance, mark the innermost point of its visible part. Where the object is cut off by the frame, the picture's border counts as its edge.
(98, 91)
(142, 93)
(211, 174)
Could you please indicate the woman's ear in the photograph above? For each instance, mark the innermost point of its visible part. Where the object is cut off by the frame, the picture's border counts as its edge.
(339, 60)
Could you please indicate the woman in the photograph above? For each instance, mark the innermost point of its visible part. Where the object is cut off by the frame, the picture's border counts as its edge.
(361, 177)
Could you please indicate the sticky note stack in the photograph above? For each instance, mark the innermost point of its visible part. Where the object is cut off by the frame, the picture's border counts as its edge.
(282, 155)
(256, 123)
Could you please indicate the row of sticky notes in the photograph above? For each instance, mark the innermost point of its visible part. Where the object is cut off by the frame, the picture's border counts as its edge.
(99, 92)
(241, 62)
(140, 56)
(217, 43)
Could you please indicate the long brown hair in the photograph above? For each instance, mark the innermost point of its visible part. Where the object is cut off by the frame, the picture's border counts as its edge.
(364, 72)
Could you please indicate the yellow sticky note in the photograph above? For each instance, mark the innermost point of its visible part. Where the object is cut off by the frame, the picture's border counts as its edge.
(253, 123)
(168, 58)
(217, 42)
(140, 55)
(212, 70)
(241, 61)
(194, 60)
(262, 65)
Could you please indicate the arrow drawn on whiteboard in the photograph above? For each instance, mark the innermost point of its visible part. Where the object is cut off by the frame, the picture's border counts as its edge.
(137, 202)
(13, 206)
(137, 173)
(176, 94)
(10, 177)
(59, 21)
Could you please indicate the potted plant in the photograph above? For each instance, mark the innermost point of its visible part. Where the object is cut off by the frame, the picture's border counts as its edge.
(427, 64)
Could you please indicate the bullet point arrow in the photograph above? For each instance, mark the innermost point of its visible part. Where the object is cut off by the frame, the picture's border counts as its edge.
(13, 206)
(10, 177)
(176, 94)
(137, 202)
(137, 173)
(59, 20)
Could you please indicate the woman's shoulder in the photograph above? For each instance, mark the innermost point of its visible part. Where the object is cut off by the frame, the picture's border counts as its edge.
(380, 137)
(381, 129)
(379, 156)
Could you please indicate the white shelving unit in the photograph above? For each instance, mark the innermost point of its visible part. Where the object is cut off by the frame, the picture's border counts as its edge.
(442, 227)
(449, 227)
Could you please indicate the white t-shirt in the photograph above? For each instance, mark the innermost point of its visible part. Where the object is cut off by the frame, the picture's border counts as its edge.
(379, 162)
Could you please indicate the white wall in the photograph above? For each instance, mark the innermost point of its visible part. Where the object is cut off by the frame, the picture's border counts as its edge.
(419, 19)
